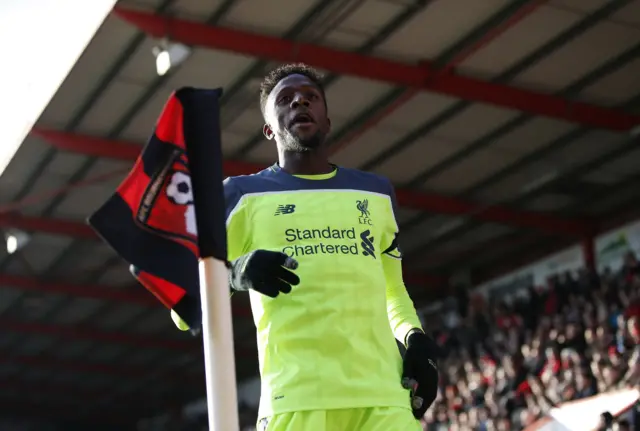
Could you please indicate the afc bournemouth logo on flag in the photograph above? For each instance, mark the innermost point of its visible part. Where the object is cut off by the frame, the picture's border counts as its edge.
(167, 205)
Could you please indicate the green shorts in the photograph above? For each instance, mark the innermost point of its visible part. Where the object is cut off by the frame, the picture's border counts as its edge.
(367, 419)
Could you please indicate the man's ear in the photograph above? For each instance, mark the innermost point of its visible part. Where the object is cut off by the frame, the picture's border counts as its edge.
(328, 125)
(267, 132)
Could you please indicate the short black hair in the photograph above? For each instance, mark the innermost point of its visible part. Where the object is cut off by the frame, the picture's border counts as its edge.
(281, 72)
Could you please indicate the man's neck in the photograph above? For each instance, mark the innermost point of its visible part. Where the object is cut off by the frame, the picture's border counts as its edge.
(307, 163)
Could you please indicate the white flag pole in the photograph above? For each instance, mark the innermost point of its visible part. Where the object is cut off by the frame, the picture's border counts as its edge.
(217, 334)
(201, 129)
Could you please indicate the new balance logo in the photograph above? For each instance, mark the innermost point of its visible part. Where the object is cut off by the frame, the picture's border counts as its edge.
(285, 209)
(367, 244)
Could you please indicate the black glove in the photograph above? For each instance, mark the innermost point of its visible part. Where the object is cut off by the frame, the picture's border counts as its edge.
(264, 271)
(420, 373)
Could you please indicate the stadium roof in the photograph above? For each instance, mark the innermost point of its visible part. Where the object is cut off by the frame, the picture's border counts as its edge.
(507, 127)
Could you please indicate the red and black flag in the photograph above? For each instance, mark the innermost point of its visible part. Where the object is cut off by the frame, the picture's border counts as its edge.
(151, 221)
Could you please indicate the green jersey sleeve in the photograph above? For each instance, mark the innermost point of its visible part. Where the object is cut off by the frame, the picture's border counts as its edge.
(238, 226)
(400, 309)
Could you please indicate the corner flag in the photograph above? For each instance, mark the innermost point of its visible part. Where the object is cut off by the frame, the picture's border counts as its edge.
(167, 219)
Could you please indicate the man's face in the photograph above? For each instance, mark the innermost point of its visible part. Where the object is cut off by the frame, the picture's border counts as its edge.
(296, 115)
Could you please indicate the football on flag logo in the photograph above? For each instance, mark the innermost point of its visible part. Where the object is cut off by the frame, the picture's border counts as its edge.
(180, 192)
(179, 188)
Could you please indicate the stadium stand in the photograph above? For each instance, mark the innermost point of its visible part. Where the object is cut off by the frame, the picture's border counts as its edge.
(510, 362)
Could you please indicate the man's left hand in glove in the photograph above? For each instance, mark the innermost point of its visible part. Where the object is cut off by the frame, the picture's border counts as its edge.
(420, 372)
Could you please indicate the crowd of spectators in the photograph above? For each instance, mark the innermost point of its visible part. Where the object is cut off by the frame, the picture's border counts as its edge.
(510, 360)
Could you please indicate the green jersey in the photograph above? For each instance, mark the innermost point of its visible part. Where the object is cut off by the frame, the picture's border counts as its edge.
(329, 344)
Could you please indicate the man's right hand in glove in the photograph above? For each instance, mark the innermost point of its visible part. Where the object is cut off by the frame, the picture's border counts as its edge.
(267, 272)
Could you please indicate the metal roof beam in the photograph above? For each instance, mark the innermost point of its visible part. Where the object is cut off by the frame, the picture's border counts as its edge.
(419, 200)
(82, 333)
(89, 367)
(92, 291)
(54, 411)
(421, 76)
(85, 403)
(133, 295)
(494, 214)
(47, 225)
(445, 63)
